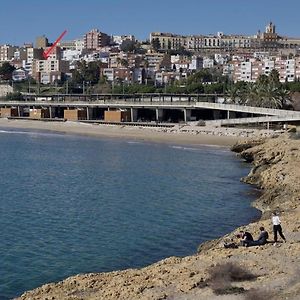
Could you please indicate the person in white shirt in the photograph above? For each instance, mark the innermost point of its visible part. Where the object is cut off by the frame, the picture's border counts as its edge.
(277, 227)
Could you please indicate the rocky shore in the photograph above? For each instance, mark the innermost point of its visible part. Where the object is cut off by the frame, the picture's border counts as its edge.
(276, 171)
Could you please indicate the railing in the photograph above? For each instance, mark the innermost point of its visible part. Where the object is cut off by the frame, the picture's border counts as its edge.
(265, 119)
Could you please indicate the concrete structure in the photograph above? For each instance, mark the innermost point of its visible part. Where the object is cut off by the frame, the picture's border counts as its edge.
(7, 52)
(250, 70)
(47, 71)
(153, 107)
(119, 39)
(268, 40)
(41, 42)
(95, 39)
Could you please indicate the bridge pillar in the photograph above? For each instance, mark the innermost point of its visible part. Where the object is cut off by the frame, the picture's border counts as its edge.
(187, 115)
(87, 113)
(133, 114)
(159, 115)
(231, 114)
(50, 112)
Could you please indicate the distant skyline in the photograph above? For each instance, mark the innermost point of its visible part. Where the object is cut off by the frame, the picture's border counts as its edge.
(22, 21)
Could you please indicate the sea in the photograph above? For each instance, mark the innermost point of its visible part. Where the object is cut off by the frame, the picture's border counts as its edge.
(73, 204)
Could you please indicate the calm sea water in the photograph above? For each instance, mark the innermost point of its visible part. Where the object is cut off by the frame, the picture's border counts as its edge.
(72, 204)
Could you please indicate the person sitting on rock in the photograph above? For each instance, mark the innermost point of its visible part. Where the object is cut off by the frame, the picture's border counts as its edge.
(245, 237)
(262, 239)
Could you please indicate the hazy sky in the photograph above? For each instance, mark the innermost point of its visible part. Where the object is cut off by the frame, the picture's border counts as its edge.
(22, 20)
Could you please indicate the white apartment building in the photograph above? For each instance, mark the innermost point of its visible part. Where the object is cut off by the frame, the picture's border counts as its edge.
(119, 39)
(208, 63)
(79, 44)
(196, 63)
(71, 55)
(250, 70)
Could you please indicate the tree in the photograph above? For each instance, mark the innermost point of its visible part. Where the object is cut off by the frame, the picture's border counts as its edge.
(274, 78)
(128, 46)
(124, 63)
(201, 76)
(6, 71)
(87, 72)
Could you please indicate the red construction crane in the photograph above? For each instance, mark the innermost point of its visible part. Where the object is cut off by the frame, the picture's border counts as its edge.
(47, 53)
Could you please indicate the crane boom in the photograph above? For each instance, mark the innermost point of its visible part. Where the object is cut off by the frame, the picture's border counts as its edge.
(47, 53)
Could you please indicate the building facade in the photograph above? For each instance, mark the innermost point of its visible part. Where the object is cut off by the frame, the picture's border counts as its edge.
(95, 39)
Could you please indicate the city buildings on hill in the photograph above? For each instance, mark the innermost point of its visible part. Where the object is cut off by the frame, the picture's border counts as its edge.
(166, 58)
(266, 40)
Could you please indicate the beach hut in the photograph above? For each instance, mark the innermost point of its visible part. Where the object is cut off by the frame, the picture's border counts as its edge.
(117, 116)
(40, 113)
(6, 112)
(75, 114)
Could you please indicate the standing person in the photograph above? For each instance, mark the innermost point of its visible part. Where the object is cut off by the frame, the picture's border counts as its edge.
(277, 227)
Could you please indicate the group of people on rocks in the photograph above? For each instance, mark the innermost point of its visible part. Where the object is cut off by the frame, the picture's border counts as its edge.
(246, 238)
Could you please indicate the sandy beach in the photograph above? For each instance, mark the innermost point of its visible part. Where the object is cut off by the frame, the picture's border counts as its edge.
(179, 134)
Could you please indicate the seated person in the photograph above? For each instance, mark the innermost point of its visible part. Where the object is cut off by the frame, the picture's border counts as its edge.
(230, 244)
(245, 237)
(262, 239)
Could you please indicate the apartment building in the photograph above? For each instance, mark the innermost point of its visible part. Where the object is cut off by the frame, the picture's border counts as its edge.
(119, 39)
(7, 52)
(118, 75)
(41, 42)
(250, 70)
(47, 71)
(169, 41)
(95, 39)
(154, 60)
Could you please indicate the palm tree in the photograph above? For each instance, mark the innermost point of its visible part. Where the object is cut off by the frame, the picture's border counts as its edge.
(232, 94)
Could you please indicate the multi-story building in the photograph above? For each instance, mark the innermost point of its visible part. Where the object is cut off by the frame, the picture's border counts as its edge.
(19, 74)
(119, 39)
(268, 40)
(47, 71)
(118, 75)
(95, 39)
(169, 41)
(196, 63)
(250, 70)
(41, 42)
(7, 52)
(154, 60)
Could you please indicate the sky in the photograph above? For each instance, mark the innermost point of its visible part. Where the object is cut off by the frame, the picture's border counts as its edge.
(21, 21)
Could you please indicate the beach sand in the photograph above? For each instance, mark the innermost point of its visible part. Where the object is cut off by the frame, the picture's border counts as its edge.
(179, 134)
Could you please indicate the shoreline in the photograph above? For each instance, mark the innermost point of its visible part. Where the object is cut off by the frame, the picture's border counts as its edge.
(171, 277)
(180, 134)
